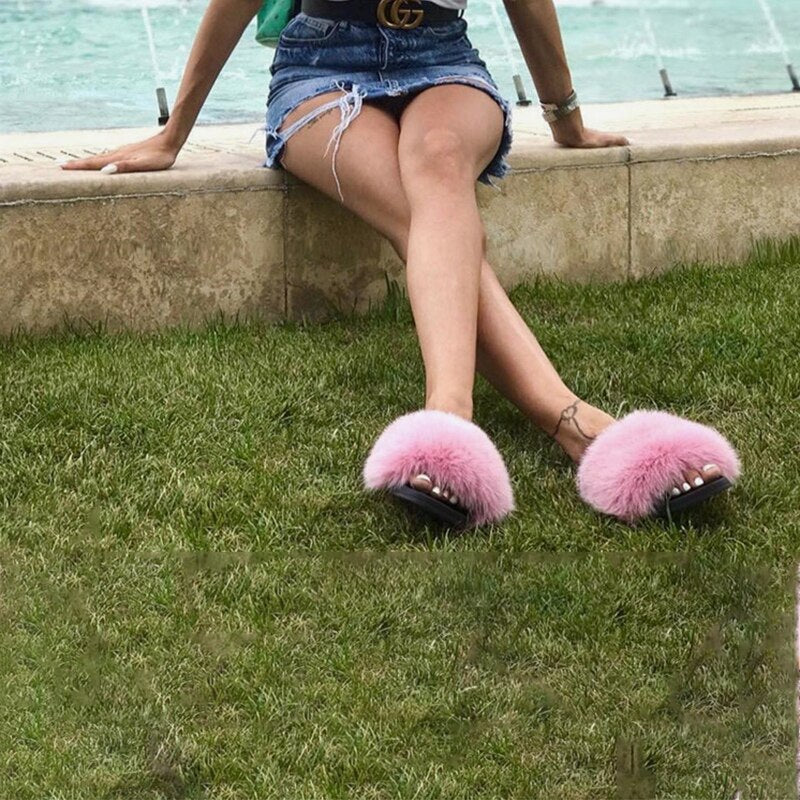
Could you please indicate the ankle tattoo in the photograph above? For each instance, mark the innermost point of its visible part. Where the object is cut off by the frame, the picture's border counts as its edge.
(568, 415)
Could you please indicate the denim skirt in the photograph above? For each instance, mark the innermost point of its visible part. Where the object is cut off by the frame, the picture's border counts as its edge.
(366, 61)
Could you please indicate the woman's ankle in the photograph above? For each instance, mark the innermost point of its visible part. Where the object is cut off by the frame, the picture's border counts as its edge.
(577, 426)
(462, 407)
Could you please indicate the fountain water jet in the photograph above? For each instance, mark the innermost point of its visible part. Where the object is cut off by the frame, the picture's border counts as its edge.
(522, 98)
(662, 70)
(780, 42)
(161, 94)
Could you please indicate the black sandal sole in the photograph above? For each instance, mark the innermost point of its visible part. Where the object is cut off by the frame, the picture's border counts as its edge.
(440, 510)
(683, 502)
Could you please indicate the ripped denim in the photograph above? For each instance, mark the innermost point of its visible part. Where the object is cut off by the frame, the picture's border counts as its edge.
(349, 105)
(365, 61)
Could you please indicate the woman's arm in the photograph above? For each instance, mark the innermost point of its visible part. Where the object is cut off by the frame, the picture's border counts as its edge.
(536, 27)
(220, 29)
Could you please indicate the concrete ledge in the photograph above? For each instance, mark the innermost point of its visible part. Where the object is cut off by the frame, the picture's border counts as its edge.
(218, 234)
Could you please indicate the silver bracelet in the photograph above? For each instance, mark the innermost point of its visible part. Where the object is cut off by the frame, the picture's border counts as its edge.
(555, 111)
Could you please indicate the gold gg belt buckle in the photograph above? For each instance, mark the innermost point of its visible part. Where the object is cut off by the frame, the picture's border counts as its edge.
(397, 14)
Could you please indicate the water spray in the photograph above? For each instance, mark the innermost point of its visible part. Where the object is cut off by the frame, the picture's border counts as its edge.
(161, 94)
(522, 97)
(662, 70)
(777, 37)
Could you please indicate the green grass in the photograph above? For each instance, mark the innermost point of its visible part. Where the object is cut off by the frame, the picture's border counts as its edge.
(198, 600)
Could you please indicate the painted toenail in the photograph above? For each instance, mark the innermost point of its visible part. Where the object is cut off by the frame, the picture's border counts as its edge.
(707, 467)
(698, 481)
(423, 476)
(675, 490)
(436, 490)
(453, 499)
(686, 487)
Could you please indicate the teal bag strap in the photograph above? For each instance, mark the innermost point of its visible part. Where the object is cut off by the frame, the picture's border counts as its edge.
(273, 17)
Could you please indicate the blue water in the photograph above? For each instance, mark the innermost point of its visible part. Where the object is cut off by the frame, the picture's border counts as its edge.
(68, 64)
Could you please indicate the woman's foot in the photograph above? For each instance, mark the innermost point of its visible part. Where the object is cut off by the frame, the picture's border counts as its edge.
(423, 482)
(580, 423)
(462, 478)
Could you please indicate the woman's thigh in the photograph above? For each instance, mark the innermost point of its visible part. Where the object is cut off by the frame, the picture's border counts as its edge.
(366, 162)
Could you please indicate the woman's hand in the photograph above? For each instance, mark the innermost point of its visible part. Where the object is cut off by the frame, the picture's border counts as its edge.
(152, 154)
(569, 132)
(536, 27)
(221, 28)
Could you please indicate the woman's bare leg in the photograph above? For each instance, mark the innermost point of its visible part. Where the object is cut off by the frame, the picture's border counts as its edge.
(508, 353)
(512, 360)
(447, 136)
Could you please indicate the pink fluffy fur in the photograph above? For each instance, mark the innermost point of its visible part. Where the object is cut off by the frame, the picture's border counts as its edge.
(629, 467)
(453, 452)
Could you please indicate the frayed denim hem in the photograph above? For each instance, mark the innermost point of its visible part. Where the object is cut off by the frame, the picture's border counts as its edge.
(350, 103)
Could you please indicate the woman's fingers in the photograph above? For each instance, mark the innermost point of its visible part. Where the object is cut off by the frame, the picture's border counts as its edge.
(120, 161)
(616, 140)
(600, 139)
(93, 162)
(588, 138)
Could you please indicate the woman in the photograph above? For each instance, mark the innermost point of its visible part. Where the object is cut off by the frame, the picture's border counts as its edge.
(423, 121)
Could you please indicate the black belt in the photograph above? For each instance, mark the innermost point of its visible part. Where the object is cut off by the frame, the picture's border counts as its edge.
(399, 14)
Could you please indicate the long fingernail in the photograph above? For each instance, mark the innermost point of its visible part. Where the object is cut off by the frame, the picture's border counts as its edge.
(698, 481)
(109, 169)
(62, 161)
(707, 467)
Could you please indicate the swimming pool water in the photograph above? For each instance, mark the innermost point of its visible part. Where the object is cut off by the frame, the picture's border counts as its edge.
(68, 64)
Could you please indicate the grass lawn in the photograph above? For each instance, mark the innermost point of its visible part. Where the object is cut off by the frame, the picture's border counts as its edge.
(197, 599)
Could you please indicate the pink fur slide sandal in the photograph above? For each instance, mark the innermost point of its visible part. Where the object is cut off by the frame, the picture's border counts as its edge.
(629, 469)
(452, 452)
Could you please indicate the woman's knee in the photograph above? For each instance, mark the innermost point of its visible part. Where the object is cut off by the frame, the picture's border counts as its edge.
(438, 154)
